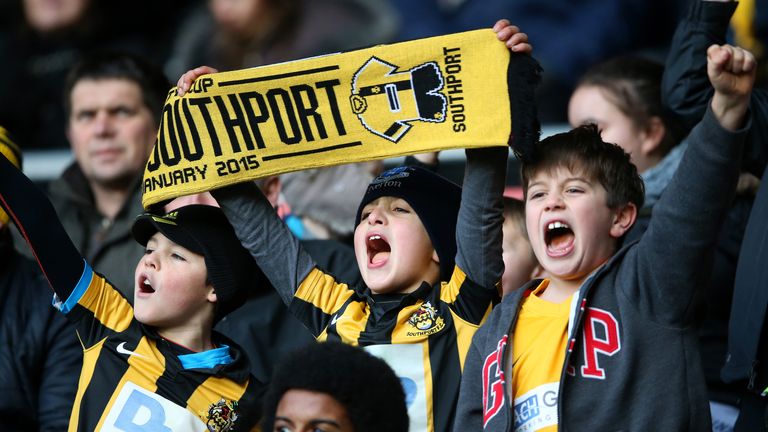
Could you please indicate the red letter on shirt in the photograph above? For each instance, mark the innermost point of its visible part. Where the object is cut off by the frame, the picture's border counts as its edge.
(593, 345)
(493, 382)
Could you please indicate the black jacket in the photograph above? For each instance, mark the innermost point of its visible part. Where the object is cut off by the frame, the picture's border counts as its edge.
(686, 90)
(40, 356)
(108, 246)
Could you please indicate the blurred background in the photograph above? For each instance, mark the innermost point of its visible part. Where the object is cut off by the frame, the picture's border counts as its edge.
(41, 39)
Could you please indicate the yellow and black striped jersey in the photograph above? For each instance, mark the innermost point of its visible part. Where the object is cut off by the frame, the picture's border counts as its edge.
(424, 336)
(132, 379)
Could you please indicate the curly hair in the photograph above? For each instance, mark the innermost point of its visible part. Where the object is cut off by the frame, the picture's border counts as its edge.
(365, 385)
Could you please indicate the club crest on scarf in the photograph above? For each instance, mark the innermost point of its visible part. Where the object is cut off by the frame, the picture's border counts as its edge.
(387, 100)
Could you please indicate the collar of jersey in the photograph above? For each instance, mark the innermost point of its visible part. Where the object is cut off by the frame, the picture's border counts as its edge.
(206, 359)
(404, 299)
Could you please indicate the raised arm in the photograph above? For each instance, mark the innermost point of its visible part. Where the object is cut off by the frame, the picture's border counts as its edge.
(478, 230)
(277, 252)
(686, 90)
(38, 223)
(732, 72)
(686, 220)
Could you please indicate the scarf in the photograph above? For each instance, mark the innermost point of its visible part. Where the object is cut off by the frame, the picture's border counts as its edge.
(463, 90)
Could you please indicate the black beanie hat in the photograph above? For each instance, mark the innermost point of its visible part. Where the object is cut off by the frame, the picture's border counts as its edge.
(204, 230)
(434, 198)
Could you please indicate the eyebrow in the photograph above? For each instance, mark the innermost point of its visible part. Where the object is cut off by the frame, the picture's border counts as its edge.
(314, 422)
(319, 422)
(581, 179)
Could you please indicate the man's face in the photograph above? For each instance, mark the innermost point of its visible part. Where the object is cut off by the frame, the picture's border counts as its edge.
(110, 130)
(46, 16)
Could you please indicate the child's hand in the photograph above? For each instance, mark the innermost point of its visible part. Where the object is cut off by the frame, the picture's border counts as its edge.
(204, 198)
(511, 35)
(732, 73)
(186, 80)
(731, 70)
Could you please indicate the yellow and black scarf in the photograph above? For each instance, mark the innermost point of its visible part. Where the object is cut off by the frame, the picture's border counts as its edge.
(456, 91)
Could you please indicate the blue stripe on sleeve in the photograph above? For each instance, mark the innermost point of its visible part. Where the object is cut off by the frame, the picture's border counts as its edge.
(77, 293)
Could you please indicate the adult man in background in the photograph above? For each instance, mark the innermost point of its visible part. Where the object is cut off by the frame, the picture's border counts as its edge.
(113, 104)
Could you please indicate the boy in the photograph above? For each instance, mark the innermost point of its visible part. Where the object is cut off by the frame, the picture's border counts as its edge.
(608, 341)
(156, 365)
(520, 264)
(430, 280)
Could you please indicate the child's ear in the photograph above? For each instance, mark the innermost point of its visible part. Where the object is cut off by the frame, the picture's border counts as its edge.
(435, 258)
(211, 295)
(653, 134)
(623, 219)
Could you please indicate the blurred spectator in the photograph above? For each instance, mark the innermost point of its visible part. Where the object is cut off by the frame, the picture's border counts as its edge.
(623, 97)
(750, 30)
(569, 35)
(332, 386)
(113, 106)
(324, 200)
(236, 34)
(520, 263)
(41, 40)
(40, 356)
(688, 93)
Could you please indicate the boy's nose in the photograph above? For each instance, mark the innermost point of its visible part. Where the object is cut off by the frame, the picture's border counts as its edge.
(150, 261)
(376, 216)
(554, 201)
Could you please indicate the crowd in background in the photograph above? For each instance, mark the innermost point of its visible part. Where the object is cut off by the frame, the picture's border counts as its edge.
(609, 54)
(41, 40)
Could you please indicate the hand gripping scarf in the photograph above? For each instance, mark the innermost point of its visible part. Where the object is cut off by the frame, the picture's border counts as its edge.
(462, 90)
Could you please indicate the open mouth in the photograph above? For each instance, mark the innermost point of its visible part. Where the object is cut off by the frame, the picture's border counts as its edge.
(378, 249)
(558, 236)
(145, 286)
